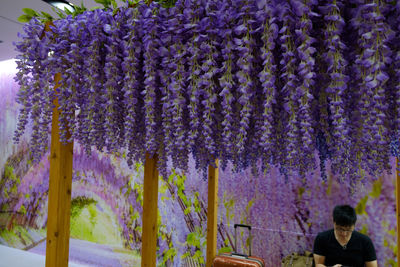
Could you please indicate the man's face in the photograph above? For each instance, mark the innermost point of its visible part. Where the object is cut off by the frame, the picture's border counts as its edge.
(343, 232)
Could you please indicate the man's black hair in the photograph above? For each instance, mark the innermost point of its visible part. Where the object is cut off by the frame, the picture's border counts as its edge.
(344, 215)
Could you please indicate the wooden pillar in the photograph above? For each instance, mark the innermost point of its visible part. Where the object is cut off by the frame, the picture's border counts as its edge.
(212, 212)
(398, 210)
(59, 201)
(149, 219)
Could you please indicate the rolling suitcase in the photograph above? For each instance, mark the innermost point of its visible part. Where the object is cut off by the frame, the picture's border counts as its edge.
(236, 259)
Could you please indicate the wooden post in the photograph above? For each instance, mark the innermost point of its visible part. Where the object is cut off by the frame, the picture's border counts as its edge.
(149, 219)
(59, 201)
(212, 212)
(398, 210)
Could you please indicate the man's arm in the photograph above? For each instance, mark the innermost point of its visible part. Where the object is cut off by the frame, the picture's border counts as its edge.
(371, 264)
(319, 260)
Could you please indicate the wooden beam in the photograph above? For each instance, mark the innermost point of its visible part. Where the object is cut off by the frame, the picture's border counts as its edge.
(398, 210)
(150, 210)
(212, 214)
(59, 201)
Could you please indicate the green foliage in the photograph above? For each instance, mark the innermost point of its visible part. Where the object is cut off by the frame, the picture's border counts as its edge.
(96, 226)
(9, 174)
(29, 13)
(364, 229)
(169, 255)
(197, 240)
(187, 210)
(79, 203)
(22, 209)
(135, 215)
(249, 205)
(93, 213)
(225, 249)
(9, 183)
(139, 167)
(193, 240)
(166, 3)
(179, 182)
(229, 204)
(107, 3)
(392, 232)
(196, 202)
(46, 16)
(198, 256)
(139, 190)
(376, 189)
(391, 263)
(14, 189)
(5, 193)
(18, 236)
(301, 191)
(360, 208)
(163, 188)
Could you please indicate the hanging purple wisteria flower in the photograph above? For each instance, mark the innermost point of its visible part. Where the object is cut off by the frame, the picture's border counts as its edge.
(268, 81)
(290, 82)
(206, 149)
(133, 81)
(246, 86)
(338, 134)
(151, 90)
(114, 78)
(36, 95)
(371, 64)
(306, 74)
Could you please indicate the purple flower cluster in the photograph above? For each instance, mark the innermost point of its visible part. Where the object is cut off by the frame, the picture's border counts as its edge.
(371, 71)
(336, 85)
(290, 83)
(238, 80)
(396, 82)
(267, 77)
(133, 79)
(35, 94)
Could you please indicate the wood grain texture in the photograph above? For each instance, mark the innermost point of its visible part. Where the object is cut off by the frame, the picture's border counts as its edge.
(212, 214)
(150, 211)
(59, 202)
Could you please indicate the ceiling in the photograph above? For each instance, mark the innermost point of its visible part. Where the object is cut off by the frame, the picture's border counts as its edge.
(9, 26)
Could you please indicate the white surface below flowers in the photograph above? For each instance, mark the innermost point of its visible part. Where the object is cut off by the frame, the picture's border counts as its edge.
(20, 258)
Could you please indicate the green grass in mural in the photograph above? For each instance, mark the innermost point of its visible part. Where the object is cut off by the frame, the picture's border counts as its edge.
(17, 237)
(91, 224)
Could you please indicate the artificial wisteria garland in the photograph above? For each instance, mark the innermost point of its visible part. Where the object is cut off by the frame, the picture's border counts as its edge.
(241, 80)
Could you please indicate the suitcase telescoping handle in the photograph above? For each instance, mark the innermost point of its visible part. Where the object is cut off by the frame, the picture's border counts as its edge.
(236, 247)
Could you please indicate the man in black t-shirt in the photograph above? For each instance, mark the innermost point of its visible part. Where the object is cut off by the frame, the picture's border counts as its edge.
(342, 246)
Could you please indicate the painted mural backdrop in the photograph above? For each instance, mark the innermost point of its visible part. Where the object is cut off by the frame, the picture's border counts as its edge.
(286, 213)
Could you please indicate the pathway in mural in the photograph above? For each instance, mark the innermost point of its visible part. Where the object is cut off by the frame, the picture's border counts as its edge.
(92, 254)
